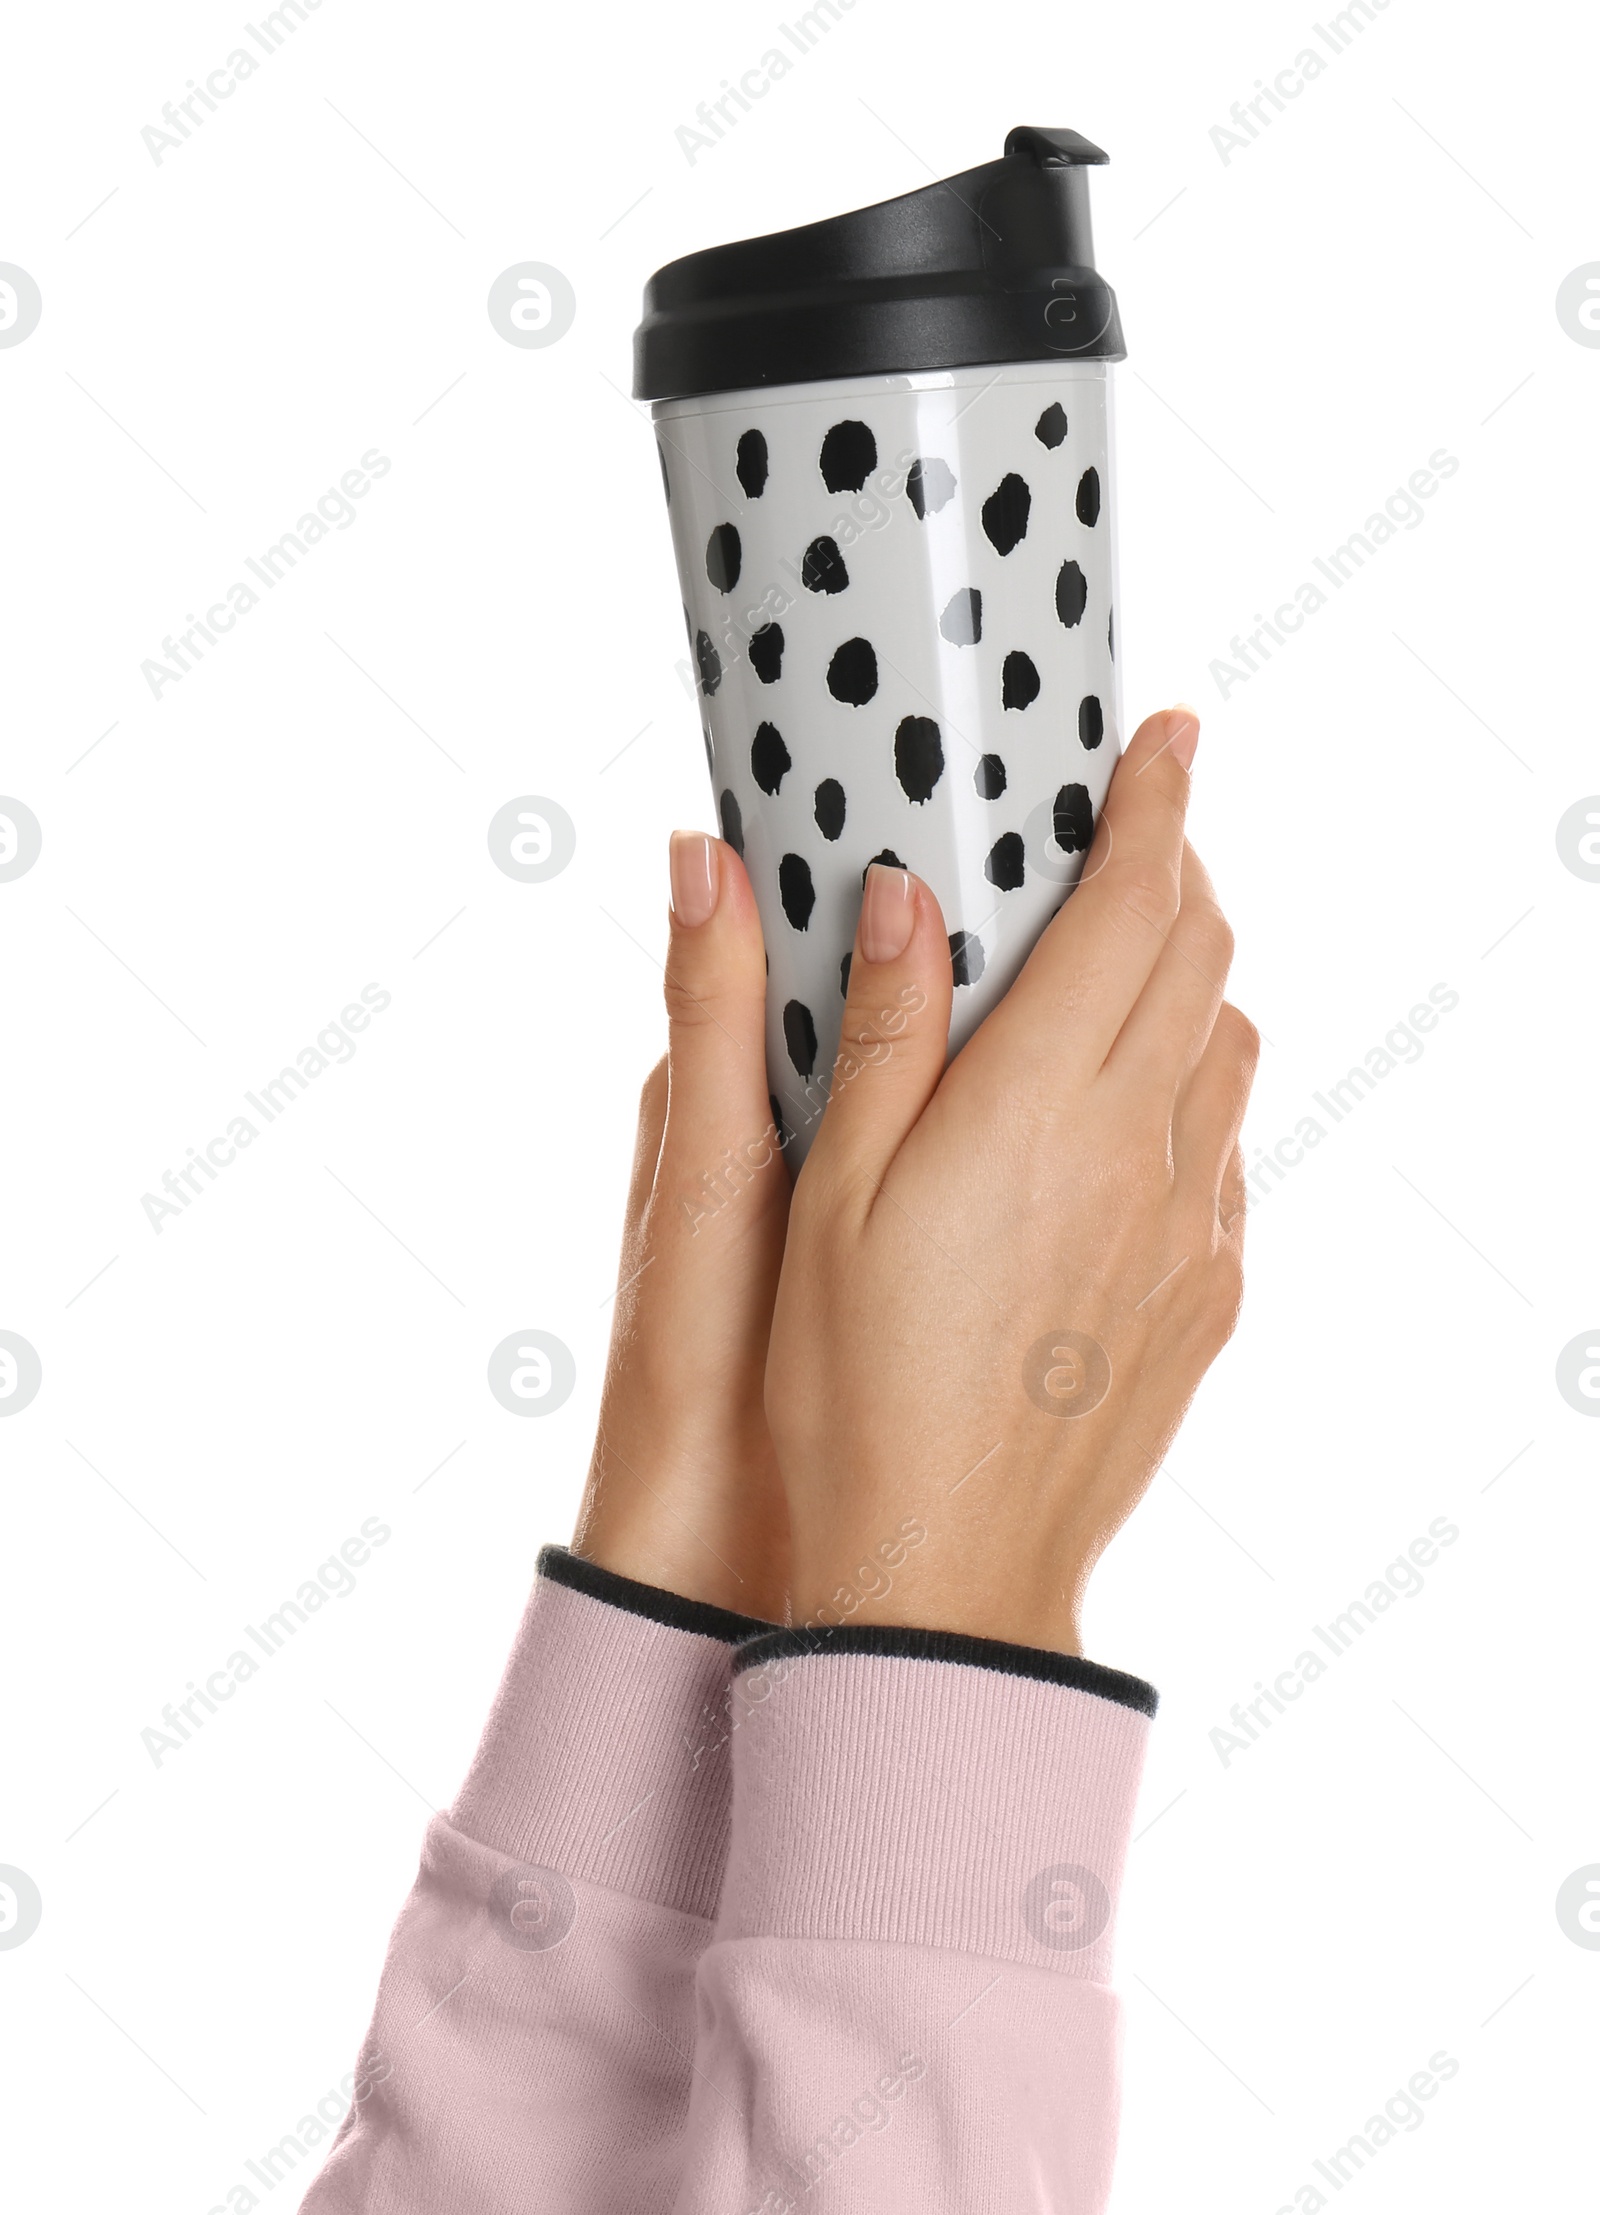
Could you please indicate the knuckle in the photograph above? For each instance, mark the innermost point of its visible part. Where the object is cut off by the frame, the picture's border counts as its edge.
(1213, 939)
(1147, 890)
(1223, 1296)
(1240, 1034)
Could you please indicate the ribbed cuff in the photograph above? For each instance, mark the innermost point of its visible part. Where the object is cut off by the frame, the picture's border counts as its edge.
(606, 1751)
(926, 1790)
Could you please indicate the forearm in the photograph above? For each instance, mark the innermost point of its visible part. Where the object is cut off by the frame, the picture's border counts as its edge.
(908, 1993)
(532, 2039)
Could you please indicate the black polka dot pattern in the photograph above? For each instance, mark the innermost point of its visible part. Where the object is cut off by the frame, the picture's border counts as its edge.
(800, 1036)
(1005, 513)
(796, 890)
(966, 957)
(766, 652)
(769, 759)
(1072, 594)
(778, 1125)
(828, 808)
(848, 458)
(1004, 866)
(1072, 818)
(930, 486)
(918, 756)
(752, 464)
(962, 620)
(1019, 681)
(926, 681)
(822, 567)
(723, 556)
(853, 673)
(705, 653)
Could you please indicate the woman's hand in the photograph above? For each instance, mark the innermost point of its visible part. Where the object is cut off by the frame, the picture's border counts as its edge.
(1005, 1279)
(683, 1489)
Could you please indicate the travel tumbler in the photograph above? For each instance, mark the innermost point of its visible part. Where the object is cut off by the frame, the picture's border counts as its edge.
(886, 445)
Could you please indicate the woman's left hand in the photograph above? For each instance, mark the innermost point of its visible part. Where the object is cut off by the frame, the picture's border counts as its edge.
(683, 1490)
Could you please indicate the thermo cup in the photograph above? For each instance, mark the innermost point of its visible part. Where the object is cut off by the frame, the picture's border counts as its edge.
(886, 446)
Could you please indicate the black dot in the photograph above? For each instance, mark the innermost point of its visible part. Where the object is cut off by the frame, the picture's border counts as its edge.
(930, 485)
(1072, 818)
(890, 860)
(822, 567)
(666, 481)
(849, 456)
(918, 756)
(1072, 594)
(777, 1119)
(853, 673)
(828, 807)
(769, 758)
(1089, 497)
(752, 464)
(800, 1036)
(1111, 637)
(966, 957)
(732, 823)
(710, 661)
(1004, 865)
(1091, 722)
(962, 620)
(990, 777)
(1019, 682)
(844, 976)
(1005, 513)
(711, 752)
(722, 557)
(1051, 427)
(798, 893)
(766, 652)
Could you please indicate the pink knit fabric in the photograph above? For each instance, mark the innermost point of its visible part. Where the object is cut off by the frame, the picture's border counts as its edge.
(513, 2066)
(905, 2008)
(903, 2004)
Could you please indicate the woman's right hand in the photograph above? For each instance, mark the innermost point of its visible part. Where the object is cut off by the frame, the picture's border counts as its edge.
(1004, 1279)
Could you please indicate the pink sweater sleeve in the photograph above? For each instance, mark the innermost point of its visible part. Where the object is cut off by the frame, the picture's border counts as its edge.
(907, 2004)
(532, 2042)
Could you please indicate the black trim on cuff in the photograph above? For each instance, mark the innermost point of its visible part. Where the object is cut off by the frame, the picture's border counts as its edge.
(906, 1644)
(560, 1566)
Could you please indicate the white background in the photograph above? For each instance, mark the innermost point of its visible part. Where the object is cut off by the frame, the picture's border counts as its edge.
(1372, 279)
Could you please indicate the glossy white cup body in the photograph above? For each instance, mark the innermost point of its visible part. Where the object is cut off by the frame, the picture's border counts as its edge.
(907, 581)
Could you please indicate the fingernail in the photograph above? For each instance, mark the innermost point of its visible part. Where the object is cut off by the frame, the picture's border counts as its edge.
(694, 878)
(888, 910)
(1182, 734)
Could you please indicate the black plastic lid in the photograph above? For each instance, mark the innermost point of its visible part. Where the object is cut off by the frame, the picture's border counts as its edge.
(994, 265)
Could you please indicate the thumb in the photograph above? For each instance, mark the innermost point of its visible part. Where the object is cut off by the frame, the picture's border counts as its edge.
(896, 1029)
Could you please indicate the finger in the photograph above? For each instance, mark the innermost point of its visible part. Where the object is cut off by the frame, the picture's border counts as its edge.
(716, 1001)
(895, 1034)
(1161, 1043)
(1210, 1111)
(1233, 1201)
(647, 1144)
(1084, 975)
